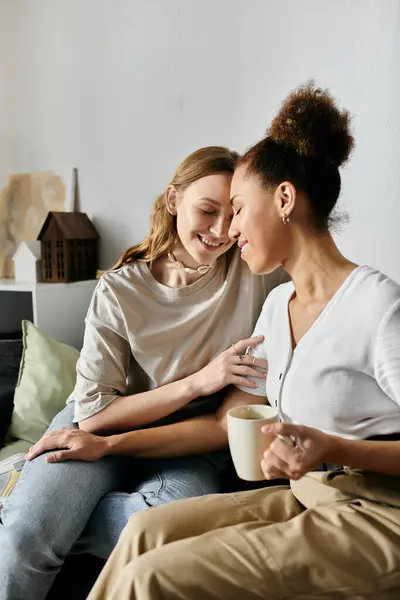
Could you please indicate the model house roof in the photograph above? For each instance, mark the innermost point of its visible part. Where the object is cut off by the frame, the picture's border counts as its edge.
(67, 226)
(31, 248)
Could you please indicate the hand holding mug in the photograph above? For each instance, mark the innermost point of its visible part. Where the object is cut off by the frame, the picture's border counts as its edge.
(311, 447)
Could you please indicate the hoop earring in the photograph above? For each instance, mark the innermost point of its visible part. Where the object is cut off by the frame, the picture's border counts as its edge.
(285, 219)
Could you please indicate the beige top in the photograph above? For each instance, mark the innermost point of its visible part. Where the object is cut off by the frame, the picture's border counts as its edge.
(141, 334)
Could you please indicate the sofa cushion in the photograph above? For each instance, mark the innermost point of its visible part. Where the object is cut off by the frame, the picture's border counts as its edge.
(46, 378)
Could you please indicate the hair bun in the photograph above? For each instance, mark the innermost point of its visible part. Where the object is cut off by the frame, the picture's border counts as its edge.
(311, 123)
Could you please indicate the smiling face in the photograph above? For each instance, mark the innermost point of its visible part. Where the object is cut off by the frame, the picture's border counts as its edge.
(257, 224)
(203, 216)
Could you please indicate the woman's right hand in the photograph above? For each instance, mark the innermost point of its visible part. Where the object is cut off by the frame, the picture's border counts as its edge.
(231, 367)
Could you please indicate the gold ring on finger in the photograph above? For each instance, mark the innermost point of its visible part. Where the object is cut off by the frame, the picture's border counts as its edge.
(254, 360)
(234, 349)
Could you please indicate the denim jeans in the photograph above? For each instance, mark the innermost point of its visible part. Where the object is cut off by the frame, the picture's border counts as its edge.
(77, 506)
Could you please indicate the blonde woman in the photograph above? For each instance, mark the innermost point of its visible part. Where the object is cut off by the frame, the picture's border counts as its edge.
(163, 337)
(332, 339)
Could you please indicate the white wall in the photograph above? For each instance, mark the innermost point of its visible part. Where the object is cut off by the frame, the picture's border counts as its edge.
(124, 89)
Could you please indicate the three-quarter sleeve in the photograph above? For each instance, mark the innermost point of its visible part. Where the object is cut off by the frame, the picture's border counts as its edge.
(102, 368)
(387, 354)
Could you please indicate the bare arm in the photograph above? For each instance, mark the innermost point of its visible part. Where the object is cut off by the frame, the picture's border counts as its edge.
(197, 435)
(129, 412)
(378, 457)
(193, 436)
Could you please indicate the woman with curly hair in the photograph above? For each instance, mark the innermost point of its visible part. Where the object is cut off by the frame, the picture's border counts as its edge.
(332, 340)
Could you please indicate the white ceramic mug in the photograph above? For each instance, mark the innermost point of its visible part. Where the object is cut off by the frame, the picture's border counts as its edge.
(246, 442)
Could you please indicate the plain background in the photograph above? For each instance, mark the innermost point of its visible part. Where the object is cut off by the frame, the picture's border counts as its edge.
(124, 89)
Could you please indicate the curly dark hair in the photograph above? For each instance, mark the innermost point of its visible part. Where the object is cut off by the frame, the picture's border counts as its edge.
(306, 143)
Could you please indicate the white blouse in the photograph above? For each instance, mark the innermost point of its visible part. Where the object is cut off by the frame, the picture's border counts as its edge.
(344, 375)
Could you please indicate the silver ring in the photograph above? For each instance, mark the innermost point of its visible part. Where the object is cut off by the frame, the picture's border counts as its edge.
(254, 360)
(235, 351)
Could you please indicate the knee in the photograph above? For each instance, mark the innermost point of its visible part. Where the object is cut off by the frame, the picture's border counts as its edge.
(28, 532)
(148, 529)
(140, 531)
(147, 577)
(23, 544)
(155, 527)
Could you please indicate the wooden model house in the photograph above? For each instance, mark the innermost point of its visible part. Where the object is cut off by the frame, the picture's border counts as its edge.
(69, 244)
(27, 262)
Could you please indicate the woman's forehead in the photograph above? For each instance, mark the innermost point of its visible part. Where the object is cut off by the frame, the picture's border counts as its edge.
(212, 186)
(242, 182)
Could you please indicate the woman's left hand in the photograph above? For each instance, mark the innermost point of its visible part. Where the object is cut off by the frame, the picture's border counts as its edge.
(76, 444)
(311, 448)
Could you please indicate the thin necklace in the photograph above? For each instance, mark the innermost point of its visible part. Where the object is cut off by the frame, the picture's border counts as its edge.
(202, 269)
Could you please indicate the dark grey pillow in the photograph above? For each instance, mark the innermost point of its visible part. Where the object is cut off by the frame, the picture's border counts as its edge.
(10, 357)
(6, 410)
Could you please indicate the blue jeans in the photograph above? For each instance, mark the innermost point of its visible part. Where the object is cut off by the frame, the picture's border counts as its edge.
(73, 506)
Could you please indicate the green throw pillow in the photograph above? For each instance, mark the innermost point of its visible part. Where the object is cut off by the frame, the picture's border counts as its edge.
(46, 378)
(14, 447)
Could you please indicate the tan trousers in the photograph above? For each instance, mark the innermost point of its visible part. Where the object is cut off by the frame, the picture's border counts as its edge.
(331, 535)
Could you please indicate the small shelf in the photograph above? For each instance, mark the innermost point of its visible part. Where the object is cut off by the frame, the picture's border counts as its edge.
(10, 285)
(58, 309)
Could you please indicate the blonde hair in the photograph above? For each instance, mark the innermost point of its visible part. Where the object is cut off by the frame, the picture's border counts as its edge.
(163, 233)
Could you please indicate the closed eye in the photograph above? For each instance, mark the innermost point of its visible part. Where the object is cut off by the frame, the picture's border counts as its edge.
(208, 212)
